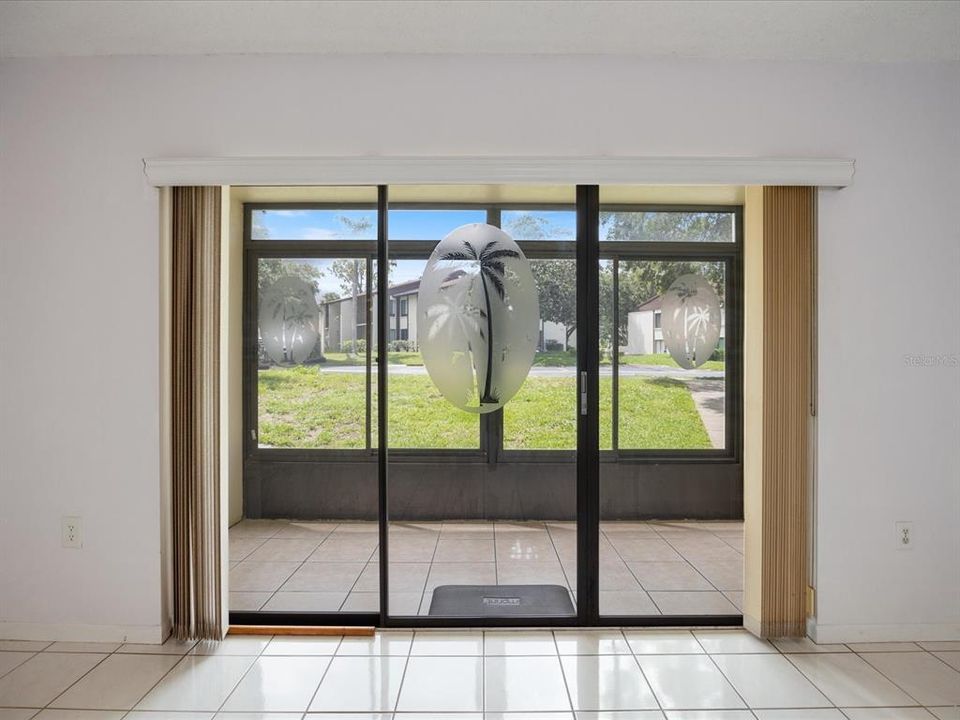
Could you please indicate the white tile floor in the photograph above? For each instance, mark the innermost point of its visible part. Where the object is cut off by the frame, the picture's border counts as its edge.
(646, 568)
(475, 675)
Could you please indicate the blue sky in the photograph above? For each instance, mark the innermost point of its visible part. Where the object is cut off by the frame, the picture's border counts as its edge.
(403, 224)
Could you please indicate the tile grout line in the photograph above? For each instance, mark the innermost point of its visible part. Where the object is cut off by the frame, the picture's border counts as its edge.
(403, 675)
(563, 673)
(59, 694)
(244, 675)
(632, 574)
(367, 563)
(888, 678)
(282, 582)
(426, 580)
(496, 565)
(566, 578)
(695, 568)
(726, 679)
(30, 655)
(483, 657)
(239, 563)
(323, 676)
(858, 655)
(636, 661)
(153, 687)
(666, 539)
(303, 562)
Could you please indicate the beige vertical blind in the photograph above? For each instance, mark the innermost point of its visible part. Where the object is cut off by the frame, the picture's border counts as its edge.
(195, 416)
(788, 237)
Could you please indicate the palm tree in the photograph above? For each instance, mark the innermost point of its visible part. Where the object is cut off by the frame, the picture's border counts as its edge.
(492, 270)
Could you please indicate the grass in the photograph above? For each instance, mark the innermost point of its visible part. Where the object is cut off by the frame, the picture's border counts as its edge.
(550, 358)
(304, 407)
(664, 360)
(395, 358)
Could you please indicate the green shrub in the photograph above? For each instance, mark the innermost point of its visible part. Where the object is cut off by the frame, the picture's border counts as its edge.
(359, 347)
(401, 346)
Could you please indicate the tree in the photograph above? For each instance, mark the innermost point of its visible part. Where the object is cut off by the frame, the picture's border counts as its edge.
(668, 226)
(556, 279)
(270, 270)
(491, 273)
(260, 230)
(557, 286)
(642, 280)
(352, 272)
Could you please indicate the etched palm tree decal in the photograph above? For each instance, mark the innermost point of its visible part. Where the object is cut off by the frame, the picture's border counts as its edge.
(454, 313)
(491, 270)
(294, 317)
(478, 346)
(691, 316)
(289, 320)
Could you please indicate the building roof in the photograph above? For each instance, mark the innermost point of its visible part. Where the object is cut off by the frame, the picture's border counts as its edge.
(409, 287)
(653, 303)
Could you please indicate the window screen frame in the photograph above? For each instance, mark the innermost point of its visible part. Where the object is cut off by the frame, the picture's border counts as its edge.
(490, 447)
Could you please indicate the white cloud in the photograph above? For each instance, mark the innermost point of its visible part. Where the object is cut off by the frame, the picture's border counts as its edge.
(316, 233)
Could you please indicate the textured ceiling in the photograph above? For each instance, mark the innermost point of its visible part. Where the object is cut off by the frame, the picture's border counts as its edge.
(884, 31)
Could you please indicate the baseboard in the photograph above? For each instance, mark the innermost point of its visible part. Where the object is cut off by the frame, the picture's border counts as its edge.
(824, 634)
(148, 634)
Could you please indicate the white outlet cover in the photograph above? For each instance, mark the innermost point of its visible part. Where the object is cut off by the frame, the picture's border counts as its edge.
(904, 527)
(71, 532)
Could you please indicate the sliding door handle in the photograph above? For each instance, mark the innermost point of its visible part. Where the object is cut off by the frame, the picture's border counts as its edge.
(583, 393)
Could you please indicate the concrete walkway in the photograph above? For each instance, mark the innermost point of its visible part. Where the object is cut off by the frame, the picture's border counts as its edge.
(709, 397)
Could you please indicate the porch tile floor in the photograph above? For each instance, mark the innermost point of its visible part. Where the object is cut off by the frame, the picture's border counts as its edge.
(603, 674)
(646, 568)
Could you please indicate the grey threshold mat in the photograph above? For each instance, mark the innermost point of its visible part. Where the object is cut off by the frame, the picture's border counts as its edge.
(501, 601)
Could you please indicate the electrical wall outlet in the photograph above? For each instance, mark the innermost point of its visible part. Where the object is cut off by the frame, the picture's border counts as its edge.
(905, 535)
(70, 532)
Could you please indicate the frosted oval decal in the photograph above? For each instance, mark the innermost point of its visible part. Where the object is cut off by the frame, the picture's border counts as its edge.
(478, 317)
(289, 317)
(690, 319)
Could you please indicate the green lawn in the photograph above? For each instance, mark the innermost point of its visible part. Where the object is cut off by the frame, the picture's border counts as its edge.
(665, 360)
(551, 358)
(307, 408)
(396, 358)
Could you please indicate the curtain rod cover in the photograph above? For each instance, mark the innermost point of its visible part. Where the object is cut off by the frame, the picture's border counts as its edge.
(584, 170)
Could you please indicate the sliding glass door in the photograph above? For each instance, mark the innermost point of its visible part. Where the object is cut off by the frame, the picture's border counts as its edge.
(670, 543)
(481, 483)
(490, 405)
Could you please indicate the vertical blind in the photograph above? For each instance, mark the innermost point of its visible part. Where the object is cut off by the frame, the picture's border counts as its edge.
(788, 237)
(195, 415)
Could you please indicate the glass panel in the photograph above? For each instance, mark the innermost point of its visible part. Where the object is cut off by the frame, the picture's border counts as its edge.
(606, 376)
(471, 538)
(307, 541)
(326, 224)
(662, 405)
(644, 226)
(420, 418)
(431, 224)
(312, 362)
(543, 414)
(662, 550)
(540, 224)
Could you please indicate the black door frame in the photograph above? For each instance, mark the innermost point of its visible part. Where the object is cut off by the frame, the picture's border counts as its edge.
(587, 456)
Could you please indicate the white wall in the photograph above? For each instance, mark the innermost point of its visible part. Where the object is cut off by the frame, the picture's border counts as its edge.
(640, 332)
(79, 411)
